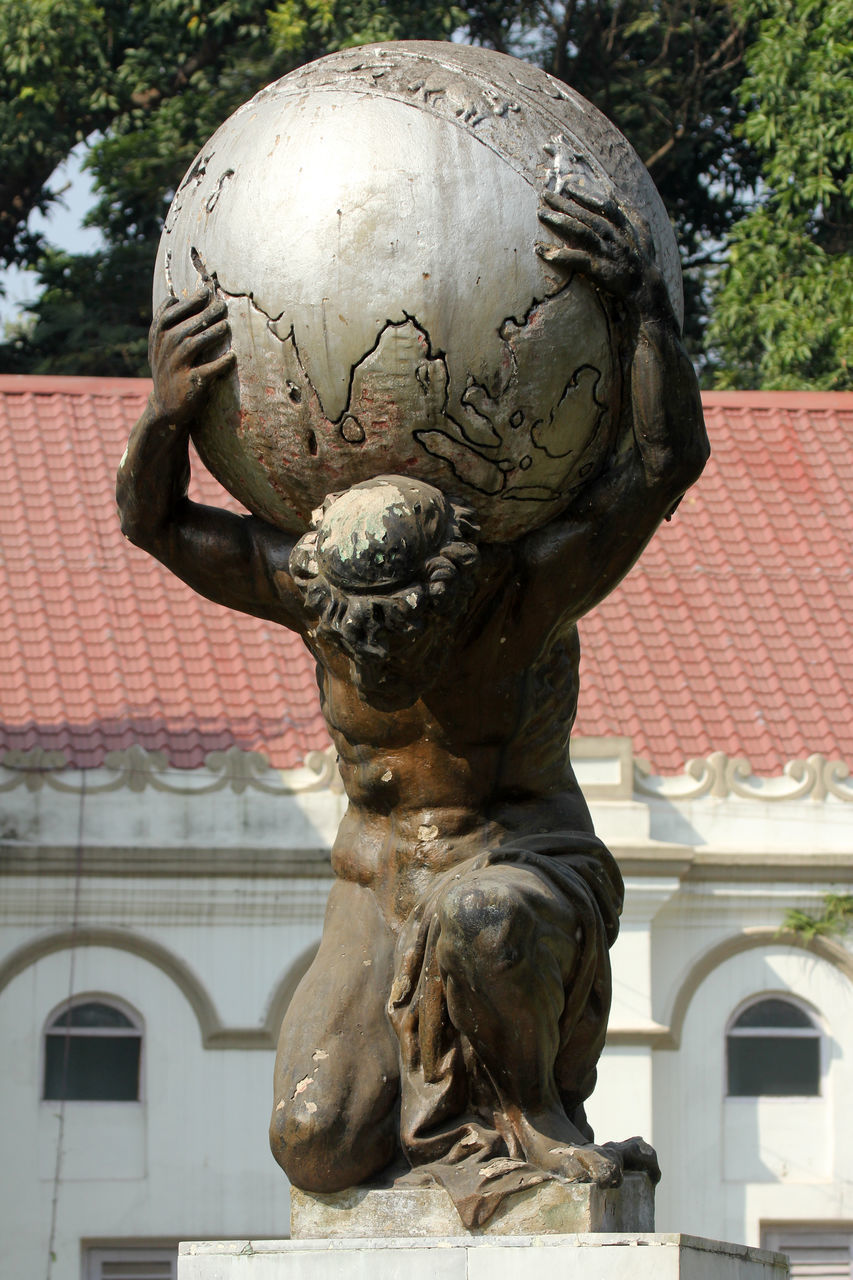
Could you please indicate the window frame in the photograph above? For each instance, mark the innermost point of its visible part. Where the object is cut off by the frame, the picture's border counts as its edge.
(96, 1254)
(816, 1031)
(780, 1237)
(135, 1030)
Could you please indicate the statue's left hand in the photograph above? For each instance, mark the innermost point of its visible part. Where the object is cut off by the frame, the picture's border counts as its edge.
(614, 252)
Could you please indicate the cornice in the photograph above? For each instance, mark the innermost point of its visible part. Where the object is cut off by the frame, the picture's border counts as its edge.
(685, 864)
(721, 776)
(175, 861)
(138, 769)
(817, 777)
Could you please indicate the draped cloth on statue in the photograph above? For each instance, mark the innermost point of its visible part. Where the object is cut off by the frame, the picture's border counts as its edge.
(454, 1124)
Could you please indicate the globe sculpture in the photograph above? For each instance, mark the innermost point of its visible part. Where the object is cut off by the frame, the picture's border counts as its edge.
(370, 220)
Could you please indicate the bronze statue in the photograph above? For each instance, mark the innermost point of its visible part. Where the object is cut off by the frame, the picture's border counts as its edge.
(457, 1007)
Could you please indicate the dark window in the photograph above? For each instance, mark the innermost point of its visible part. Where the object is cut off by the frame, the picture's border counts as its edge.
(773, 1050)
(131, 1264)
(91, 1054)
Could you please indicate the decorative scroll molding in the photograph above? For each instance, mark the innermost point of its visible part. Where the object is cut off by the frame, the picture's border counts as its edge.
(137, 769)
(722, 776)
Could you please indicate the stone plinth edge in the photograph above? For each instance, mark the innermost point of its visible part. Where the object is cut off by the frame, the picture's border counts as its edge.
(600, 1256)
(550, 1208)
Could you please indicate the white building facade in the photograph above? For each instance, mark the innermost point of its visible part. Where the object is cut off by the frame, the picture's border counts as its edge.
(172, 912)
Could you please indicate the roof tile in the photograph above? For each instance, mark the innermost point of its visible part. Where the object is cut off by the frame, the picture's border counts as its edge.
(731, 634)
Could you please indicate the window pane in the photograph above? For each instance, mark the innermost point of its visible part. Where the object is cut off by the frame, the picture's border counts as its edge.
(131, 1264)
(774, 1066)
(100, 1068)
(773, 1013)
(136, 1270)
(816, 1254)
(92, 1014)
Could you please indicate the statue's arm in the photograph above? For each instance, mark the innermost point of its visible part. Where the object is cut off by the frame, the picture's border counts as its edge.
(238, 561)
(662, 447)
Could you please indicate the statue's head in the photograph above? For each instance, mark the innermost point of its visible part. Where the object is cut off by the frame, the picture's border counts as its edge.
(388, 569)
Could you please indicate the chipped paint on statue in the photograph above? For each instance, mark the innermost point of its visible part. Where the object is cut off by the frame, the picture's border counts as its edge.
(419, 308)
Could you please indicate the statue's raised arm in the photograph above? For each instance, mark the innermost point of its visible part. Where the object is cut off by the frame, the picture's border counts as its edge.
(661, 446)
(238, 561)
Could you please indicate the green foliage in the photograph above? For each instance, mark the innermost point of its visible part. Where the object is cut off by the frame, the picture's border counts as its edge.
(309, 28)
(784, 306)
(146, 82)
(92, 316)
(834, 921)
(55, 69)
(666, 72)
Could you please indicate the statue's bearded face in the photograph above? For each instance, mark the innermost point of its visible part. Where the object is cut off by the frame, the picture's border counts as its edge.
(388, 569)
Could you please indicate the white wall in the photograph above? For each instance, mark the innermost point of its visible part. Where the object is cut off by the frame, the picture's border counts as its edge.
(737, 1162)
(207, 916)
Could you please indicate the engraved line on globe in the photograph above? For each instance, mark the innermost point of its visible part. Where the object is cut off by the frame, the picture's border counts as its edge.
(515, 472)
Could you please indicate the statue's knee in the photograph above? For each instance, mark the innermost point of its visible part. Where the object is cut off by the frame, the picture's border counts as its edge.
(308, 1150)
(482, 926)
(294, 1138)
(330, 1146)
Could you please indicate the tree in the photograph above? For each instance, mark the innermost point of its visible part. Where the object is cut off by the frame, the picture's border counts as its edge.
(783, 311)
(146, 82)
(666, 72)
(156, 78)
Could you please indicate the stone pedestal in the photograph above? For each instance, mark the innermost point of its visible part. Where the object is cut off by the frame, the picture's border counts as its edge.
(550, 1208)
(605, 1256)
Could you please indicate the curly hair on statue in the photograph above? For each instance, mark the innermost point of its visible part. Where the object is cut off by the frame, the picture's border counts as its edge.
(382, 560)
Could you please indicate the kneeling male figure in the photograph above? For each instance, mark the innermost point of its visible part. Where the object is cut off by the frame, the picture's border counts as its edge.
(457, 1006)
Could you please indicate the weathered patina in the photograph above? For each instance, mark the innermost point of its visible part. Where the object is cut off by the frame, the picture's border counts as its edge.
(449, 1028)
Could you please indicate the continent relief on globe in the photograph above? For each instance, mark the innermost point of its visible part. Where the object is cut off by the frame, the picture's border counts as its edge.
(371, 222)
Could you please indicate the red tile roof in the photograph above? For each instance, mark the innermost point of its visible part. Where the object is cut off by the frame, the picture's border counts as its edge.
(732, 634)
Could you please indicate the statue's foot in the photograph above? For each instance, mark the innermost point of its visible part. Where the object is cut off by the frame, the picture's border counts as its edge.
(637, 1156)
(556, 1147)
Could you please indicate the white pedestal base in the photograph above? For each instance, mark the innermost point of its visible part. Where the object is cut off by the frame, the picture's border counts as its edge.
(626, 1256)
(549, 1208)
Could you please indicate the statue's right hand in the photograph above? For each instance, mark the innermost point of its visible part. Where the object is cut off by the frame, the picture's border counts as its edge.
(182, 335)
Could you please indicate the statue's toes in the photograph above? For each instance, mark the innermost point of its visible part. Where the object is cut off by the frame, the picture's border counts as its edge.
(589, 1164)
(637, 1156)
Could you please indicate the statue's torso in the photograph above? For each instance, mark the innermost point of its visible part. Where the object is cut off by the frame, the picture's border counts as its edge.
(481, 755)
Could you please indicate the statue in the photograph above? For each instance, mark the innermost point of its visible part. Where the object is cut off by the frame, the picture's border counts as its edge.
(433, 515)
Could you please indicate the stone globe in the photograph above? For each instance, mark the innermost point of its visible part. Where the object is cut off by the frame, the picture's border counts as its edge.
(371, 222)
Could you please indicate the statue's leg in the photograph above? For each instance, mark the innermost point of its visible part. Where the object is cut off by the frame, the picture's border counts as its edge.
(509, 951)
(335, 1120)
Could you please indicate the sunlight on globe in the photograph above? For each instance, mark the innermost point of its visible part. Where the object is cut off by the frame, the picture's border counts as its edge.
(371, 222)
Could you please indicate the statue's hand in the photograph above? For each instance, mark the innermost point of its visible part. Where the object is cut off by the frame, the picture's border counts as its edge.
(614, 252)
(181, 337)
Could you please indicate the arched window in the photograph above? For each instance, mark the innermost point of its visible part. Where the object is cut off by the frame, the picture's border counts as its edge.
(91, 1053)
(773, 1049)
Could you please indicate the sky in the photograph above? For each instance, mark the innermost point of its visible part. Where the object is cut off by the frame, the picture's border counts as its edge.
(62, 226)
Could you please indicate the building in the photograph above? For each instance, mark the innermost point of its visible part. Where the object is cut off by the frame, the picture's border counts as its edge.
(168, 799)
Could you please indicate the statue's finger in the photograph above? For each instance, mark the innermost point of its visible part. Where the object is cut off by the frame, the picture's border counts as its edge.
(604, 229)
(573, 229)
(213, 368)
(181, 308)
(161, 311)
(200, 320)
(605, 206)
(207, 338)
(570, 259)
